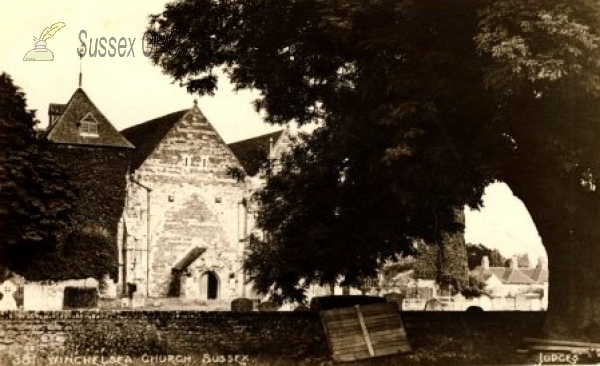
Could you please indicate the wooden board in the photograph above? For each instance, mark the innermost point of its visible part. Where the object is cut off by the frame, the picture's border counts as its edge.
(365, 331)
(536, 345)
(562, 343)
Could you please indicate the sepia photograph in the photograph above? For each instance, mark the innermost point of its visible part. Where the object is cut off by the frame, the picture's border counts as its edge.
(300, 182)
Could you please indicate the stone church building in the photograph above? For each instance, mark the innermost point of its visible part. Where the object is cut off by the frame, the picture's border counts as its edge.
(161, 194)
(186, 218)
(180, 228)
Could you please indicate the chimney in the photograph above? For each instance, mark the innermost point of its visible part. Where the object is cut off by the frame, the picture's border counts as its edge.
(514, 262)
(485, 262)
(54, 113)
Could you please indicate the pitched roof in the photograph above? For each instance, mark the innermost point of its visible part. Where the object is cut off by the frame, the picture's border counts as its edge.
(514, 276)
(66, 128)
(508, 276)
(254, 151)
(483, 274)
(146, 136)
(537, 274)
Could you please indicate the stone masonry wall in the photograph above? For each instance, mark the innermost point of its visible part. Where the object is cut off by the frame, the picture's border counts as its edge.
(127, 333)
(193, 203)
(30, 338)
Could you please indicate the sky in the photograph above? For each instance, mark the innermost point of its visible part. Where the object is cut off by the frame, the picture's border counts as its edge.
(504, 224)
(130, 90)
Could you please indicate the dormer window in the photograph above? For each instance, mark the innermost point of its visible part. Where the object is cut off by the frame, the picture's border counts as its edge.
(88, 126)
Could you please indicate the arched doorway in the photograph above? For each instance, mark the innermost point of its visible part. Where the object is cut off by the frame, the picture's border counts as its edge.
(209, 286)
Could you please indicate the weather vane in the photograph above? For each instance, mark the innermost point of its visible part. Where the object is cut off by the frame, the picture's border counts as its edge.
(80, 52)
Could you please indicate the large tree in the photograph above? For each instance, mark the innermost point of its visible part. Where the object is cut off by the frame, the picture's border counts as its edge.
(421, 104)
(446, 263)
(35, 197)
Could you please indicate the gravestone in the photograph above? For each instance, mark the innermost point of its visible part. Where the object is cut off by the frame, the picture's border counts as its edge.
(302, 307)
(521, 302)
(108, 288)
(8, 302)
(434, 305)
(266, 306)
(242, 305)
(395, 297)
(498, 304)
(536, 304)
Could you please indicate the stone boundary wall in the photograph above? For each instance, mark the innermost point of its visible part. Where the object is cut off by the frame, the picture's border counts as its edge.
(137, 333)
(294, 335)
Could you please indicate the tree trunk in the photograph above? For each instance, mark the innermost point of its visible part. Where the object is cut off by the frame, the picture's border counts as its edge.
(574, 299)
(567, 217)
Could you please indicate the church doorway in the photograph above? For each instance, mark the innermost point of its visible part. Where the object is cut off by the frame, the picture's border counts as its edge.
(209, 286)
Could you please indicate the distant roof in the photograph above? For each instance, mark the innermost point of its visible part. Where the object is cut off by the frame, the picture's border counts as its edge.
(516, 277)
(511, 276)
(66, 128)
(254, 151)
(538, 274)
(482, 274)
(146, 136)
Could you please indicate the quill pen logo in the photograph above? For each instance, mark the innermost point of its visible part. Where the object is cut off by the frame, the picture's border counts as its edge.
(40, 52)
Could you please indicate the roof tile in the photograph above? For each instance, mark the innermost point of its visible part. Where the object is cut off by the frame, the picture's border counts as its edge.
(147, 135)
(66, 128)
(252, 152)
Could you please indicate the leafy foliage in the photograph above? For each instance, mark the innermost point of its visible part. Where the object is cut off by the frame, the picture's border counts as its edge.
(36, 196)
(340, 224)
(476, 252)
(85, 255)
(421, 105)
(473, 288)
(62, 204)
(445, 263)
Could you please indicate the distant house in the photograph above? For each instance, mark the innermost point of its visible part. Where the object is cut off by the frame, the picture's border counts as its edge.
(512, 280)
